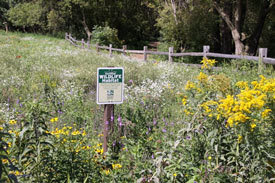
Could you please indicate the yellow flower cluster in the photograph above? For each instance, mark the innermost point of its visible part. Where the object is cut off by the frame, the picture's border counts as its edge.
(17, 173)
(98, 148)
(190, 86)
(116, 166)
(67, 130)
(208, 106)
(207, 63)
(106, 172)
(5, 161)
(184, 100)
(242, 107)
(203, 78)
(12, 122)
(15, 132)
(54, 119)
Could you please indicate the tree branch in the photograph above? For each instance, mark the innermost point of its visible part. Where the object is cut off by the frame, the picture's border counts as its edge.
(224, 16)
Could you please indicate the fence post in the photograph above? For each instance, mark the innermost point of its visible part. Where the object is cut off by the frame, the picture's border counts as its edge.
(262, 54)
(97, 48)
(206, 50)
(110, 50)
(145, 48)
(82, 43)
(171, 51)
(124, 47)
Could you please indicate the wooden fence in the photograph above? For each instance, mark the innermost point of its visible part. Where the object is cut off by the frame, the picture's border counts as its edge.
(262, 58)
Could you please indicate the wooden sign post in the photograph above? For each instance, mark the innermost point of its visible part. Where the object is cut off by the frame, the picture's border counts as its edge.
(108, 120)
(110, 81)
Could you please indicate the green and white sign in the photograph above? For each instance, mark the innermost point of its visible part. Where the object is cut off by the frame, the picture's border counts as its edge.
(110, 81)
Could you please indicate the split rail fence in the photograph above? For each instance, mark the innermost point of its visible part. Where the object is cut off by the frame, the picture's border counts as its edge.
(262, 58)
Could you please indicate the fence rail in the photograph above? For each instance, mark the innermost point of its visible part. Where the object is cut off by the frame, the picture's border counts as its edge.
(262, 58)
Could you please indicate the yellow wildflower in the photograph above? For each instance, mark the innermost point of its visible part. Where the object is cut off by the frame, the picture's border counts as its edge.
(174, 174)
(209, 157)
(107, 172)
(15, 172)
(5, 161)
(76, 132)
(189, 85)
(240, 138)
(184, 100)
(202, 77)
(99, 151)
(253, 125)
(207, 63)
(54, 120)
(116, 166)
(12, 122)
(242, 84)
(1, 128)
(265, 113)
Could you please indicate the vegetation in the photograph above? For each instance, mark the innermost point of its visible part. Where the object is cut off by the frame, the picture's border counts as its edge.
(237, 26)
(177, 123)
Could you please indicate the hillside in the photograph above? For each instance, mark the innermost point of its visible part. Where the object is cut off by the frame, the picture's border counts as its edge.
(177, 123)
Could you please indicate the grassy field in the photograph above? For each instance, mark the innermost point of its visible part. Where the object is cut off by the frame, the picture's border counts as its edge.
(177, 123)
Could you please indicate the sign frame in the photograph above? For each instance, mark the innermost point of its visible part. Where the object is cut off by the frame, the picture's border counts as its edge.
(98, 90)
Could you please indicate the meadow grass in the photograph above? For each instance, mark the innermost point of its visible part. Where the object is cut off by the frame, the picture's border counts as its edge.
(165, 131)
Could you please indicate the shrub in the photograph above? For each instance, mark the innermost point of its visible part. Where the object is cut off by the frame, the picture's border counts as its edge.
(105, 36)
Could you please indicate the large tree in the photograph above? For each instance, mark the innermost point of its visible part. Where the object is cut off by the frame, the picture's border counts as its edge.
(245, 20)
(188, 24)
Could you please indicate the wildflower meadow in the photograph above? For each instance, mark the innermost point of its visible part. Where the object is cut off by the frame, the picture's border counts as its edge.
(177, 123)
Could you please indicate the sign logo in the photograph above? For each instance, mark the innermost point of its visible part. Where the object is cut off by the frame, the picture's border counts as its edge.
(110, 81)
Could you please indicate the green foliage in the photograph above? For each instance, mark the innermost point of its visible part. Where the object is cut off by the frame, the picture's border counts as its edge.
(55, 21)
(194, 28)
(105, 36)
(26, 14)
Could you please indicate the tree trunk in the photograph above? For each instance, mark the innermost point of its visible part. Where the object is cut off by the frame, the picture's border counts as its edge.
(174, 7)
(226, 36)
(239, 46)
(253, 41)
(86, 28)
(6, 27)
(244, 45)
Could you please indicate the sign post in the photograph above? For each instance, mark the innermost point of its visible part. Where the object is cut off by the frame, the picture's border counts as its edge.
(110, 81)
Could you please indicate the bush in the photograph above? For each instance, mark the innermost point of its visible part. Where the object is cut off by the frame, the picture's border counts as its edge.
(105, 36)
(25, 15)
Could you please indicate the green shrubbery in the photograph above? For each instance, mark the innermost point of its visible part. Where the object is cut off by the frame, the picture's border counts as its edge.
(105, 36)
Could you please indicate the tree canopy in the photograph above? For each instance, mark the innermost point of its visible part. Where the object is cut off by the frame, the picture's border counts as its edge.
(228, 26)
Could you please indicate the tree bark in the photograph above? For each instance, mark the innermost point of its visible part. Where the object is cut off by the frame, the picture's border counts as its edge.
(174, 7)
(86, 28)
(6, 27)
(239, 46)
(244, 45)
(226, 40)
(253, 41)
